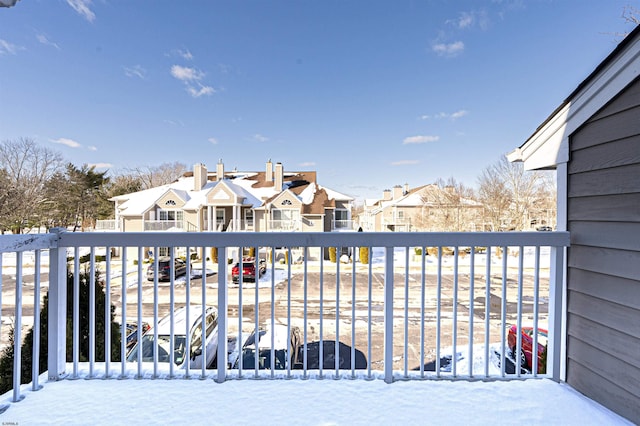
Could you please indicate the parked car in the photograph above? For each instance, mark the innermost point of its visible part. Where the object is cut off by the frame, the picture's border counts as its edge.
(164, 268)
(132, 333)
(526, 354)
(180, 350)
(282, 343)
(248, 269)
(295, 343)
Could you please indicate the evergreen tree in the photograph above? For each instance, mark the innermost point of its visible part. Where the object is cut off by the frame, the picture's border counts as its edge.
(6, 357)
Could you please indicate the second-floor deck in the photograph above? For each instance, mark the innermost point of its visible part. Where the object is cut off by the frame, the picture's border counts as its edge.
(405, 306)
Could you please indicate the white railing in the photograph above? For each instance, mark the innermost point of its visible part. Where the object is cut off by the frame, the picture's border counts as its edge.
(439, 311)
(285, 225)
(106, 225)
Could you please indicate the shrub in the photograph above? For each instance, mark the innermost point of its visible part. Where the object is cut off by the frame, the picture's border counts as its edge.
(332, 254)
(417, 251)
(364, 255)
(214, 254)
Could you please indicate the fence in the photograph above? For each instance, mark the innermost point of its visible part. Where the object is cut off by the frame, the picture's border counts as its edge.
(412, 305)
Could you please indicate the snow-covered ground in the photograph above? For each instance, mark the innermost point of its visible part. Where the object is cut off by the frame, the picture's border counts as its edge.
(306, 402)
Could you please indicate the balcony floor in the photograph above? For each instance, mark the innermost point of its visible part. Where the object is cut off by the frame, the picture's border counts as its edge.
(297, 401)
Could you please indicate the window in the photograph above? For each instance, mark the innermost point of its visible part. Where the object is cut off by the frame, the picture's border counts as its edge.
(171, 215)
(285, 214)
(342, 214)
(219, 217)
(248, 217)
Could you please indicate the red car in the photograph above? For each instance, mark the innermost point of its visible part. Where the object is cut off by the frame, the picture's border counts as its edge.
(248, 270)
(527, 346)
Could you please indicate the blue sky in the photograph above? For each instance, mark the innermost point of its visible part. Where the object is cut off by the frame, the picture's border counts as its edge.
(370, 94)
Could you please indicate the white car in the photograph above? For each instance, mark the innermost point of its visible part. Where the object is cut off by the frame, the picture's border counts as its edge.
(180, 340)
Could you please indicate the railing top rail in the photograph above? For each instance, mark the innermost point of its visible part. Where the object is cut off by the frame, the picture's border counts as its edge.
(317, 239)
(12, 243)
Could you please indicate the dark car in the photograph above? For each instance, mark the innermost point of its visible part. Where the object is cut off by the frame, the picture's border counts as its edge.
(164, 268)
(248, 270)
(294, 343)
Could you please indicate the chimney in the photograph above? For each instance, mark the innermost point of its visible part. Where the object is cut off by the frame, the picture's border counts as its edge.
(406, 189)
(277, 183)
(219, 170)
(397, 192)
(268, 174)
(386, 195)
(199, 176)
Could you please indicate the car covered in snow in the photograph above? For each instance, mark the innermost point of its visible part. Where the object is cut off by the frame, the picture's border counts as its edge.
(527, 353)
(181, 351)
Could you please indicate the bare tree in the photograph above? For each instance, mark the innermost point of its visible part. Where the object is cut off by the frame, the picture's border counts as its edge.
(152, 176)
(28, 166)
(509, 194)
(450, 206)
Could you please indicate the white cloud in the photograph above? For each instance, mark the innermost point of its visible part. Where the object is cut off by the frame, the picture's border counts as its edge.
(453, 116)
(6, 47)
(101, 165)
(213, 141)
(68, 142)
(82, 7)
(174, 123)
(185, 54)
(448, 49)
(197, 92)
(404, 162)
(420, 139)
(260, 138)
(465, 20)
(307, 164)
(92, 148)
(186, 73)
(44, 40)
(135, 71)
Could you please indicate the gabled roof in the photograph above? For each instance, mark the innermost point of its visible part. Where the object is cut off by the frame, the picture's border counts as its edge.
(548, 146)
(250, 186)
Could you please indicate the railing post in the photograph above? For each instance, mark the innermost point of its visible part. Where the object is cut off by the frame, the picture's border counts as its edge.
(222, 313)
(556, 290)
(388, 315)
(57, 315)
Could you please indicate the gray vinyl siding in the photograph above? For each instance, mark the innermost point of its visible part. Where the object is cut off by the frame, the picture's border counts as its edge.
(603, 289)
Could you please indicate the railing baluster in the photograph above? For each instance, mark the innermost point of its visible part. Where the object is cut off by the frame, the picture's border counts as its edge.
(353, 314)
(107, 312)
(223, 304)
(92, 310)
(336, 346)
(273, 314)
(17, 332)
(76, 310)
(503, 310)
(536, 301)
(422, 308)
(454, 326)
(35, 364)
(321, 347)
(388, 315)
(288, 350)
(123, 315)
(472, 273)
(369, 303)
(240, 309)
(438, 310)
(406, 312)
(139, 306)
(222, 260)
(487, 310)
(519, 312)
(156, 278)
(305, 284)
